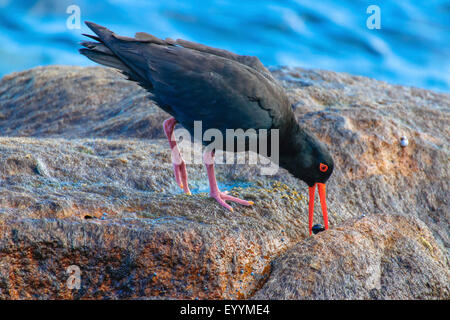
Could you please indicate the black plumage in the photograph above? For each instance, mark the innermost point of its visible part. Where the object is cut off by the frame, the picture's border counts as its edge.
(194, 82)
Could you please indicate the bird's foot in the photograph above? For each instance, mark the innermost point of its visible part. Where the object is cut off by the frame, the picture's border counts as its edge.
(222, 196)
(179, 169)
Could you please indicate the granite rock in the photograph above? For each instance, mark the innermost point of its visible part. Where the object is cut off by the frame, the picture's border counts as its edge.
(86, 180)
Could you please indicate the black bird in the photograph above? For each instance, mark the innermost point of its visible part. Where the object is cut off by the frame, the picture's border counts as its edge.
(223, 90)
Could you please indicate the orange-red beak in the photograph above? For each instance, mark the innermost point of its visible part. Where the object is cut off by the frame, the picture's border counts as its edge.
(323, 202)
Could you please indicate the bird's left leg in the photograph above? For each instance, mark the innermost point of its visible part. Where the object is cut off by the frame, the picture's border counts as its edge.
(179, 166)
(208, 160)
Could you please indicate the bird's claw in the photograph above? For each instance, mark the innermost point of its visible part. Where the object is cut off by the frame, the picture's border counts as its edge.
(181, 176)
(222, 196)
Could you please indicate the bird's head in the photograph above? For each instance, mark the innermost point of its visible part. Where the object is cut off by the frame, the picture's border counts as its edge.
(309, 160)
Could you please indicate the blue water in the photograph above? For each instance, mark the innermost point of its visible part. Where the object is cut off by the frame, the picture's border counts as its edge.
(411, 48)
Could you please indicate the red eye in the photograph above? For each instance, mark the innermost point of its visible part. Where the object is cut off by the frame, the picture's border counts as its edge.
(323, 167)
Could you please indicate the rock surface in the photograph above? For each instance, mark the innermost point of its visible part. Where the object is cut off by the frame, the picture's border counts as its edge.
(373, 257)
(86, 180)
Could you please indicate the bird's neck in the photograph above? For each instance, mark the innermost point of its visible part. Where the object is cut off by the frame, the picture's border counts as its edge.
(291, 137)
(292, 145)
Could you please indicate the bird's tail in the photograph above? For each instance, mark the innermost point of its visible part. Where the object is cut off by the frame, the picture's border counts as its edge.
(103, 52)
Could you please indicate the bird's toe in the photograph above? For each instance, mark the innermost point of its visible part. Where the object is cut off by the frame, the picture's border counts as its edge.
(237, 200)
(221, 201)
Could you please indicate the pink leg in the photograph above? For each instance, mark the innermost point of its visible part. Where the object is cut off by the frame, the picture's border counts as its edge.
(179, 166)
(208, 159)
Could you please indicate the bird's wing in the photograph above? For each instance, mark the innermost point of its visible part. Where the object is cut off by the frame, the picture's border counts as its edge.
(250, 61)
(195, 82)
(220, 92)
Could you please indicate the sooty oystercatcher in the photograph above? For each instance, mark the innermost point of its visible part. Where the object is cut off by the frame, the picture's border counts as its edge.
(223, 90)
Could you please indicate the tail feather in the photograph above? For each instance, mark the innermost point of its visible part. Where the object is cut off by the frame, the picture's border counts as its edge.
(106, 59)
(103, 33)
(97, 46)
(102, 53)
(92, 37)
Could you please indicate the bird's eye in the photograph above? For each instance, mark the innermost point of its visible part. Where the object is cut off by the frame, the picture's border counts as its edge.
(323, 167)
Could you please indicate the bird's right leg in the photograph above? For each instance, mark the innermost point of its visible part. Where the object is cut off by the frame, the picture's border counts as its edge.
(214, 192)
(179, 166)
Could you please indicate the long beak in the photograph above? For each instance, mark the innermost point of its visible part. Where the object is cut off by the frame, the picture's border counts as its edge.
(323, 203)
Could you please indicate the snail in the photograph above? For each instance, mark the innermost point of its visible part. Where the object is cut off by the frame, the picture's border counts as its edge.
(404, 141)
(317, 228)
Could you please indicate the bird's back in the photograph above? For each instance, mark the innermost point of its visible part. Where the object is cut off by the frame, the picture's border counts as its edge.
(193, 82)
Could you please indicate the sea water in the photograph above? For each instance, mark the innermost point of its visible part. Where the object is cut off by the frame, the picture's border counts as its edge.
(409, 45)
